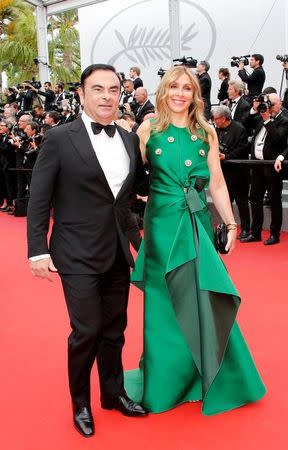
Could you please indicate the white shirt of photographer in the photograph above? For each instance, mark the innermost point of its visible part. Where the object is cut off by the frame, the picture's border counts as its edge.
(113, 159)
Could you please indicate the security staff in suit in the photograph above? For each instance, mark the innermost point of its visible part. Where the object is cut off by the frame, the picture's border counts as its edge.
(270, 139)
(87, 170)
(232, 138)
(255, 81)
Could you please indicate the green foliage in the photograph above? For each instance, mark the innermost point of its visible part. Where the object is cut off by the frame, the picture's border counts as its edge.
(18, 43)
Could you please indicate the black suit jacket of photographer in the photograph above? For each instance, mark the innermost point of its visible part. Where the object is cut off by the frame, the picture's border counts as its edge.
(88, 220)
(49, 98)
(255, 81)
(141, 111)
(276, 139)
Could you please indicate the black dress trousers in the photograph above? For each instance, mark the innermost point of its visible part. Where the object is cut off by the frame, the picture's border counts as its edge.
(97, 307)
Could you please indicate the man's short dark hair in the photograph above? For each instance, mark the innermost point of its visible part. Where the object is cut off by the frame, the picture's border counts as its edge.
(54, 115)
(48, 82)
(60, 85)
(258, 57)
(269, 90)
(205, 64)
(93, 68)
(34, 126)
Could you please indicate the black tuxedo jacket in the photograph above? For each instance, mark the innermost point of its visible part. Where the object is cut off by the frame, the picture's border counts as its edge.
(223, 91)
(242, 111)
(205, 86)
(141, 112)
(88, 221)
(234, 137)
(276, 139)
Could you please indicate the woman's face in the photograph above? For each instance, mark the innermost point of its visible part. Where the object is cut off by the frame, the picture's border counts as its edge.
(180, 94)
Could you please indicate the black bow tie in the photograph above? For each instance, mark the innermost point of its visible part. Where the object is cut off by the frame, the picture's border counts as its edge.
(98, 127)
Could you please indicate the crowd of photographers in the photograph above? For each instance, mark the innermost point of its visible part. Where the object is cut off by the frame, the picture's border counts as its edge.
(251, 123)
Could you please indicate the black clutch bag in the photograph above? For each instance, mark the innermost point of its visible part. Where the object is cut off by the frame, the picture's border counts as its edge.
(221, 238)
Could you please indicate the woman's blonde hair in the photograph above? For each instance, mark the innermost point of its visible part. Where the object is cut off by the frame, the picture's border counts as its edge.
(196, 119)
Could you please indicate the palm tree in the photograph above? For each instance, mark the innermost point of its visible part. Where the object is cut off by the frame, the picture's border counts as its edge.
(64, 47)
(18, 40)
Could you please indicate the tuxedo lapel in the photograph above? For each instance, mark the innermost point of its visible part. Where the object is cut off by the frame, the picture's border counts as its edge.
(81, 142)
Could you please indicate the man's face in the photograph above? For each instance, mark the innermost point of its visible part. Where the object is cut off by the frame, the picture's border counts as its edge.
(28, 130)
(276, 107)
(219, 121)
(232, 93)
(128, 87)
(46, 86)
(100, 96)
(48, 120)
(253, 63)
(38, 112)
(132, 74)
(23, 121)
(57, 89)
(3, 128)
(140, 97)
(200, 69)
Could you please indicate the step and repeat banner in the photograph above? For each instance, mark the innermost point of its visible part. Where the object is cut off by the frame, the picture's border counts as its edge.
(136, 33)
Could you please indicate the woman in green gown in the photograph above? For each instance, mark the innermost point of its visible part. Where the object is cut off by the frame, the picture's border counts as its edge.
(193, 348)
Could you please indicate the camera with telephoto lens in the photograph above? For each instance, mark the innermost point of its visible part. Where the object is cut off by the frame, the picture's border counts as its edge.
(33, 82)
(264, 101)
(189, 62)
(161, 72)
(236, 60)
(282, 58)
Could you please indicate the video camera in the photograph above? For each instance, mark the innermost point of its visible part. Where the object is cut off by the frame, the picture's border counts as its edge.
(282, 58)
(73, 86)
(189, 61)
(236, 60)
(264, 101)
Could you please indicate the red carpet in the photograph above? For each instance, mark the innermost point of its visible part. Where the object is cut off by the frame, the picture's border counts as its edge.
(35, 409)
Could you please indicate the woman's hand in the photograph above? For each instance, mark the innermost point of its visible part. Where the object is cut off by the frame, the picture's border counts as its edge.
(231, 242)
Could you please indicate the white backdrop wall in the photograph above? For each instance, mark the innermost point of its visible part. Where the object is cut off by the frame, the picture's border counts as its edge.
(130, 32)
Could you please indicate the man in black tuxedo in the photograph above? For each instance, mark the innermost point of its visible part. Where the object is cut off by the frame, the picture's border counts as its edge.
(270, 139)
(144, 106)
(205, 85)
(240, 108)
(255, 81)
(87, 170)
(232, 138)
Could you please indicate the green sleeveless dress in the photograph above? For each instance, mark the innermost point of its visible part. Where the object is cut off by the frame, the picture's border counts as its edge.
(193, 348)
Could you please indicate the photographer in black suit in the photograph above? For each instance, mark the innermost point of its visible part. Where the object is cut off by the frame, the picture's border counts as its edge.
(47, 93)
(205, 85)
(87, 170)
(232, 138)
(255, 81)
(270, 139)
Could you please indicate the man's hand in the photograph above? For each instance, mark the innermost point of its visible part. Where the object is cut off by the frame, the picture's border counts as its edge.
(278, 165)
(221, 156)
(241, 65)
(42, 267)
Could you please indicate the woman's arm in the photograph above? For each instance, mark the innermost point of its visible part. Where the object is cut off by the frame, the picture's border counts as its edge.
(144, 134)
(219, 192)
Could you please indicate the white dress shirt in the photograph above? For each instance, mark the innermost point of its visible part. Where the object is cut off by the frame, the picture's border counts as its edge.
(113, 159)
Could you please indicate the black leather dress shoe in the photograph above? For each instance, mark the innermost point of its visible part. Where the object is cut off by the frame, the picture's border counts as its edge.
(272, 240)
(125, 405)
(243, 234)
(83, 421)
(251, 238)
